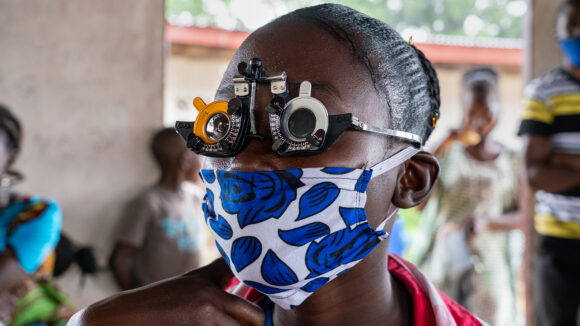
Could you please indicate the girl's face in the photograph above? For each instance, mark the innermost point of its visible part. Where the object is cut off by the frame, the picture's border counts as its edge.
(339, 81)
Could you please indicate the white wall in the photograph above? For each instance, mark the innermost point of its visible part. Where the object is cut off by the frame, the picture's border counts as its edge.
(86, 79)
(192, 72)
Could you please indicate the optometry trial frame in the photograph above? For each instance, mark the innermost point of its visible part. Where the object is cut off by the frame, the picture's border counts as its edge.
(299, 126)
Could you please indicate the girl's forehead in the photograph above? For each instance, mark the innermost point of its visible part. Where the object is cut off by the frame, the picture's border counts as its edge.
(306, 52)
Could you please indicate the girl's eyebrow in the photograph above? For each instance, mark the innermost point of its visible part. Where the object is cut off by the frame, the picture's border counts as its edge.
(328, 88)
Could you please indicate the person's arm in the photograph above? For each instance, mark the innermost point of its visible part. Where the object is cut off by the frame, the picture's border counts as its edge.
(122, 264)
(569, 161)
(196, 298)
(452, 137)
(133, 232)
(541, 170)
(506, 222)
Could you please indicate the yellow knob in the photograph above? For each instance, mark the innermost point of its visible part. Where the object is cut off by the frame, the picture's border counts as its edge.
(199, 104)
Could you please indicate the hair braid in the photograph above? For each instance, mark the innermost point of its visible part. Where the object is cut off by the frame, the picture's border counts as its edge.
(434, 91)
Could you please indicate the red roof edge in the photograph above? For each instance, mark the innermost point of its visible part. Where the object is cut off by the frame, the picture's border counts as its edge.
(436, 53)
(439, 53)
(205, 36)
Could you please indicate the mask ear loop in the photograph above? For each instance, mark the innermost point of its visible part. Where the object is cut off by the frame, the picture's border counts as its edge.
(381, 227)
(385, 166)
(394, 161)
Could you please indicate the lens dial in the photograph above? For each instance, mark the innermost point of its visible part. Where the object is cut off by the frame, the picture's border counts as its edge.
(301, 123)
(217, 127)
(213, 123)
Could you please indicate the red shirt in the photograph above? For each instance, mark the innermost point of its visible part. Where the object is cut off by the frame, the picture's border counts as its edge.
(430, 306)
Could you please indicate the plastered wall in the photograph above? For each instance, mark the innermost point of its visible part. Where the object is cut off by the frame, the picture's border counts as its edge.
(86, 80)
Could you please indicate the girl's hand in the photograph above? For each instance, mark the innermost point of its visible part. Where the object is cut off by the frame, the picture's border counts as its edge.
(196, 298)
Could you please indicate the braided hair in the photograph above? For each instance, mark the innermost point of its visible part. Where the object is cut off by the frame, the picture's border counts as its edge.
(10, 127)
(403, 77)
(12, 135)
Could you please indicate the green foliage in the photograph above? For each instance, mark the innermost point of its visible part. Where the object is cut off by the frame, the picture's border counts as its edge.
(489, 18)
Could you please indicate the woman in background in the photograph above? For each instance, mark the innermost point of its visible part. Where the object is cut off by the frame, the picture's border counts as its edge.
(464, 241)
(29, 231)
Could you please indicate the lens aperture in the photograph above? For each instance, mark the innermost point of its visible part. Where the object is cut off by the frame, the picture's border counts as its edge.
(301, 123)
(217, 126)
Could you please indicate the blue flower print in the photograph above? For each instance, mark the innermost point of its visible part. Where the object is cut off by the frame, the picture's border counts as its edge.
(317, 199)
(276, 272)
(221, 227)
(315, 284)
(258, 196)
(264, 288)
(337, 170)
(304, 234)
(223, 253)
(208, 175)
(207, 205)
(340, 248)
(363, 181)
(245, 250)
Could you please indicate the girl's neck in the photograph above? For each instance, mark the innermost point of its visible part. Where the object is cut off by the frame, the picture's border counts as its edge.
(367, 294)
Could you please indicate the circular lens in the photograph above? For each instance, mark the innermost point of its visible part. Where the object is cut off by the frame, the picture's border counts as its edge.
(301, 123)
(217, 126)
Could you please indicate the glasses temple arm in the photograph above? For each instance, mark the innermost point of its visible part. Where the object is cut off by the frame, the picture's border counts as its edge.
(359, 125)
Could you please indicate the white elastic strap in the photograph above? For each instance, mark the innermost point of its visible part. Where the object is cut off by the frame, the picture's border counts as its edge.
(394, 161)
(383, 223)
(387, 165)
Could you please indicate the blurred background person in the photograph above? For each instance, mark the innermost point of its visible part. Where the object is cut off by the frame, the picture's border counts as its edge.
(29, 231)
(161, 234)
(551, 130)
(464, 245)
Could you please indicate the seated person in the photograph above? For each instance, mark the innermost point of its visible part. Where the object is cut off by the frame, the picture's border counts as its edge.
(309, 232)
(160, 235)
(29, 231)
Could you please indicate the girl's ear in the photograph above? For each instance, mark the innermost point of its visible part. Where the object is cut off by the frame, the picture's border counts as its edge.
(416, 179)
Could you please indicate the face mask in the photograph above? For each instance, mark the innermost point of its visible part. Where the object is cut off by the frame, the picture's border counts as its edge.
(571, 49)
(287, 233)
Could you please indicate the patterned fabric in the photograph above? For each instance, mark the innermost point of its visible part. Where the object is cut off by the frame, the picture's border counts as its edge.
(30, 227)
(553, 110)
(431, 308)
(287, 233)
(313, 226)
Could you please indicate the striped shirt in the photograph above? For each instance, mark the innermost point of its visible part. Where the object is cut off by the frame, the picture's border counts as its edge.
(552, 109)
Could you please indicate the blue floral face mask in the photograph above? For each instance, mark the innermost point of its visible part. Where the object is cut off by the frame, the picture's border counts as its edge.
(287, 233)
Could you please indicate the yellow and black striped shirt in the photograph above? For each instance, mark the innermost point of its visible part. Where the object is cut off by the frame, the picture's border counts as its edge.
(552, 108)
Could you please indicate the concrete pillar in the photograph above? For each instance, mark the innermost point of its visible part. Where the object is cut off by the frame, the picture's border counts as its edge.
(542, 52)
(542, 55)
(86, 79)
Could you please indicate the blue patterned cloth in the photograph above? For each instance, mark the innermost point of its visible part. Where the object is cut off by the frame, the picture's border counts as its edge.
(30, 227)
(287, 233)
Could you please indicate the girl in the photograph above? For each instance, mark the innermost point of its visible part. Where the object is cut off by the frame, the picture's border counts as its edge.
(297, 227)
